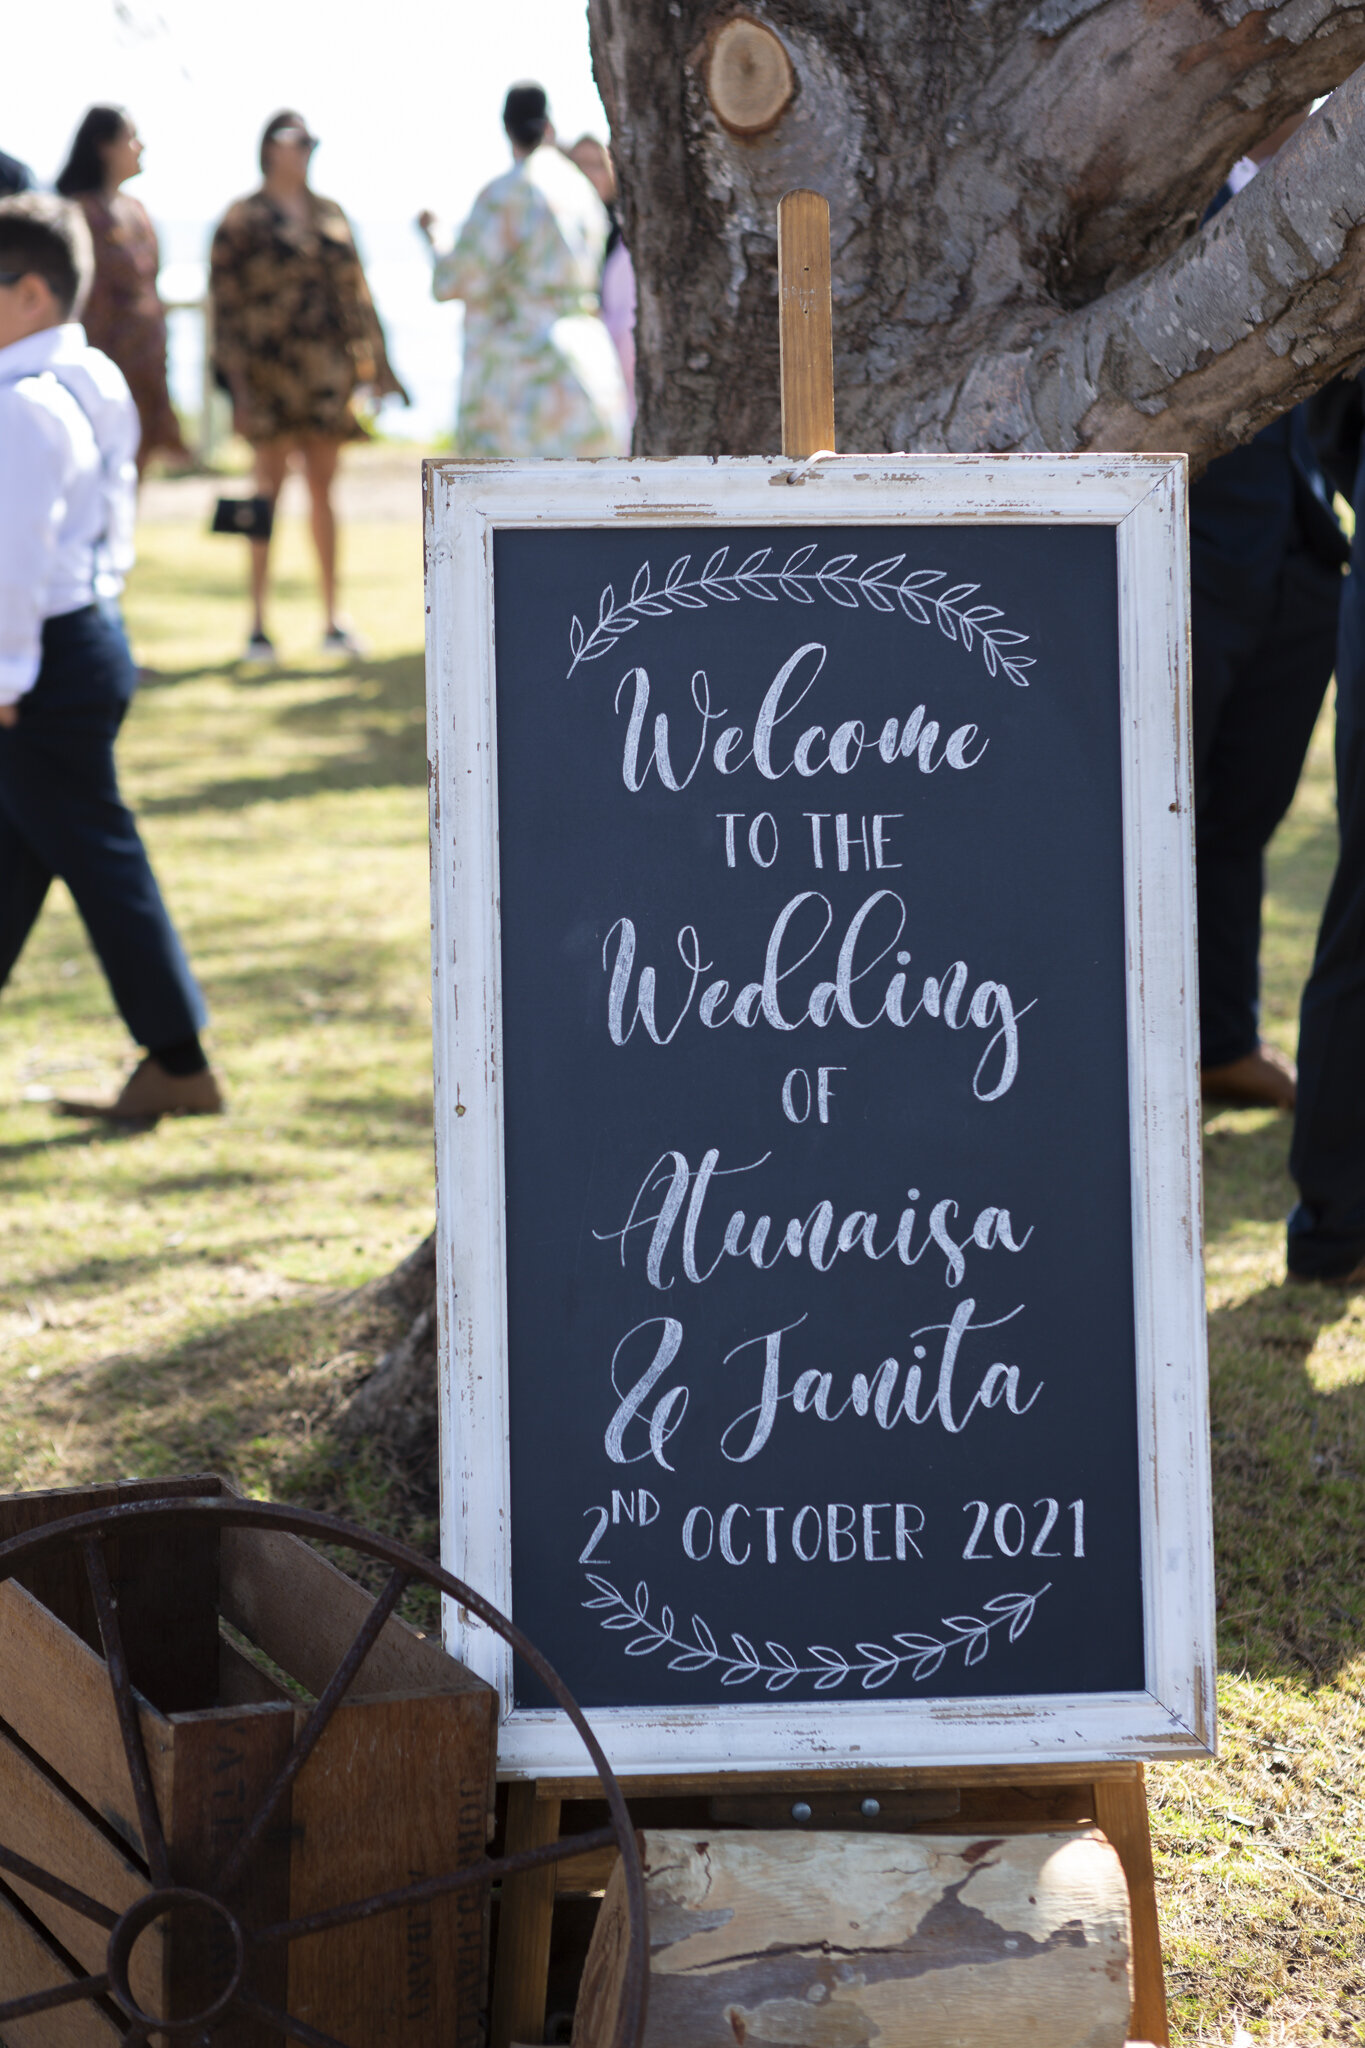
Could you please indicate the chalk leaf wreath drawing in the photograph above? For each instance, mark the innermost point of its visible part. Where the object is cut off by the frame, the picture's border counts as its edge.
(916, 594)
(873, 1664)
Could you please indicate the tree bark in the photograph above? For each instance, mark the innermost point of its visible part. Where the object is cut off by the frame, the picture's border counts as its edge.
(1015, 191)
(829, 1940)
(395, 1404)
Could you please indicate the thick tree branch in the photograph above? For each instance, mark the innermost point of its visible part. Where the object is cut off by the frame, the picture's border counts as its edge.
(1255, 312)
(991, 168)
(1138, 111)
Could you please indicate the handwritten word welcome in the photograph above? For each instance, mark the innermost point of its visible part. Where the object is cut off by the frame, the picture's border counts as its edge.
(813, 751)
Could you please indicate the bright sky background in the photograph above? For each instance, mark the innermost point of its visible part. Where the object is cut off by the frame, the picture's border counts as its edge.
(405, 96)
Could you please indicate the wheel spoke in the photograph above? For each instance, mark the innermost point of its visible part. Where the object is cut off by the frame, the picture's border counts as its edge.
(285, 2023)
(56, 1888)
(60, 1994)
(311, 1734)
(486, 1871)
(130, 1726)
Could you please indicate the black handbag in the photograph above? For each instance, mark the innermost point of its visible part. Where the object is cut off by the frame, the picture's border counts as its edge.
(252, 518)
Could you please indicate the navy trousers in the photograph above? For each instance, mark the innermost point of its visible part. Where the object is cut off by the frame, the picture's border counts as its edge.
(1327, 1158)
(1264, 605)
(61, 814)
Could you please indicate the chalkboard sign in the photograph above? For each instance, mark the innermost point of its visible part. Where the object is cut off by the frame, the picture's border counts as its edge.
(816, 1118)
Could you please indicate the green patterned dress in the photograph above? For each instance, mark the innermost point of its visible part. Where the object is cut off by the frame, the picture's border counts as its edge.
(541, 376)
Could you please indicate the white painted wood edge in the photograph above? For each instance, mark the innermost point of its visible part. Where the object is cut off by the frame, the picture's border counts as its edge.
(952, 489)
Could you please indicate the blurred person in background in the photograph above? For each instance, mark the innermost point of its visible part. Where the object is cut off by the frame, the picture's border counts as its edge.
(14, 176)
(617, 290)
(68, 480)
(295, 339)
(124, 316)
(1326, 1239)
(1266, 556)
(540, 374)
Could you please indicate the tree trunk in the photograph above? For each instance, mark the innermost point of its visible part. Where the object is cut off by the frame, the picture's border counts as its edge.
(1015, 190)
(396, 1403)
(829, 1940)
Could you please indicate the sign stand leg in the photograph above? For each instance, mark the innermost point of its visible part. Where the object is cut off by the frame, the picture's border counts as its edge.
(524, 1920)
(1117, 1796)
(1121, 1812)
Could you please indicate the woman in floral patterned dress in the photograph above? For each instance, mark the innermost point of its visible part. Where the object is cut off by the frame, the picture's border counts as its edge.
(541, 376)
(295, 336)
(123, 315)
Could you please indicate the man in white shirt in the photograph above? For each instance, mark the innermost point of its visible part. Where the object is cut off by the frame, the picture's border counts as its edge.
(68, 477)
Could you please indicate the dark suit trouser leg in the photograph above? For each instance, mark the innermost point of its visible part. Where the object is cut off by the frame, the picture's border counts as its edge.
(1254, 712)
(60, 803)
(1327, 1229)
(24, 883)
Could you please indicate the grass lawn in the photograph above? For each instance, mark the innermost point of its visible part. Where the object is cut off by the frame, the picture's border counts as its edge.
(164, 1297)
(179, 1300)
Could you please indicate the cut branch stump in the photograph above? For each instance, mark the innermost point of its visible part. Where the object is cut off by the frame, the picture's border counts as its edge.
(838, 1940)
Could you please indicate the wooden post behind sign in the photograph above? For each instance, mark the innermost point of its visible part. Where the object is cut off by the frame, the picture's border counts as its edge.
(997, 1799)
(805, 323)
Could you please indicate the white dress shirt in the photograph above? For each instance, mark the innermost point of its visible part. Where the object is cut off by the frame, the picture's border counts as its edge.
(68, 487)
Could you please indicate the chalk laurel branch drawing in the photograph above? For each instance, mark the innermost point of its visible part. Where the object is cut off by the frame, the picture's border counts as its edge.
(916, 594)
(874, 1664)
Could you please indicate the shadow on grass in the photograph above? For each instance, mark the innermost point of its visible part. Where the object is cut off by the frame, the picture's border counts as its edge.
(1246, 1171)
(380, 717)
(151, 676)
(100, 1272)
(72, 1132)
(1288, 1489)
(215, 1180)
(255, 1398)
(416, 1111)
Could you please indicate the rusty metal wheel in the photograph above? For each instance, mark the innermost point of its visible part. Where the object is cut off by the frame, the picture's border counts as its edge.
(220, 1903)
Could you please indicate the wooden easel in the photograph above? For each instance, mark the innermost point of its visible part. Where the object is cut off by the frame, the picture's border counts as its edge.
(995, 1799)
(987, 1798)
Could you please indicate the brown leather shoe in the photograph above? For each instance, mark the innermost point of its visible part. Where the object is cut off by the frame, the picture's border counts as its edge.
(1264, 1079)
(150, 1093)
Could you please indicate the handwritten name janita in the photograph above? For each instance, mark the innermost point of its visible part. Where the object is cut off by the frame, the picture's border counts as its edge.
(891, 1393)
(862, 950)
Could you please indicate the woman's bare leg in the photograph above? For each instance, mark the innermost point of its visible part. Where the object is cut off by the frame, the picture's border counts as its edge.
(272, 462)
(320, 465)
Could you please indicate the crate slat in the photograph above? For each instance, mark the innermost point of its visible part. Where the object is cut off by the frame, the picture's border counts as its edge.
(165, 1591)
(224, 1761)
(40, 1822)
(304, 1614)
(28, 1963)
(406, 1976)
(55, 1695)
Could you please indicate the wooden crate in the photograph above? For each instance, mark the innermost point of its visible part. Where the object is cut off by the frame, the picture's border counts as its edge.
(400, 1787)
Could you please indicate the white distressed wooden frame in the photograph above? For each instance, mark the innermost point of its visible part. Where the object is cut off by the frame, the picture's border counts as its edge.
(1143, 497)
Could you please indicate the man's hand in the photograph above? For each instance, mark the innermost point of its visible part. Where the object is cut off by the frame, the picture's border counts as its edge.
(9, 714)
